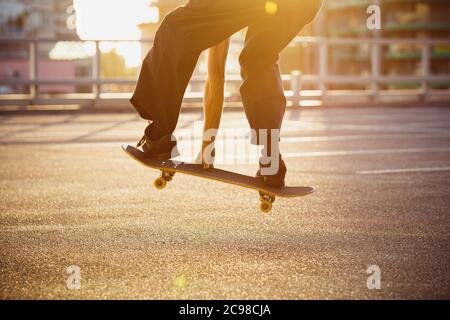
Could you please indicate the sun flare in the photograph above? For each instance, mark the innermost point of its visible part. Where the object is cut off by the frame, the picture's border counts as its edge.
(115, 20)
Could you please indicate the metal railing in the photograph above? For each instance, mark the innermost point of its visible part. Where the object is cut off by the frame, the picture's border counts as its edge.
(295, 80)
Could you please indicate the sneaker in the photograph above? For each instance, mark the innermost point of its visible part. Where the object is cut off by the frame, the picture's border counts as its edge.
(277, 180)
(162, 149)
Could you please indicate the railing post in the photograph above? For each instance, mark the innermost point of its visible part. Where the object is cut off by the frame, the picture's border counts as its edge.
(96, 72)
(426, 59)
(34, 70)
(376, 69)
(296, 87)
(376, 59)
(323, 67)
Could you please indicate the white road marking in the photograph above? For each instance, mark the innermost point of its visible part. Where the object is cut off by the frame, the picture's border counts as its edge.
(409, 170)
(361, 152)
(356, 127)
(363, 137)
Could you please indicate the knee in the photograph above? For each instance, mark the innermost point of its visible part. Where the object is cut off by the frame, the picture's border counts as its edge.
(171, 28)
(257, 61)
(167, 25)
(173, 17)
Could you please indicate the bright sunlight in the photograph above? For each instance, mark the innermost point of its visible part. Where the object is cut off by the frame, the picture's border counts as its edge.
(115, 20)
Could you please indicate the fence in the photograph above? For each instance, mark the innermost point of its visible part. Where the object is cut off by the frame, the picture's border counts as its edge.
(295, 80)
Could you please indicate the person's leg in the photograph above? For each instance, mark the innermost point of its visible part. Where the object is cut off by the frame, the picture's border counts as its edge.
(213, 101)
(167, 69)
(262, 90)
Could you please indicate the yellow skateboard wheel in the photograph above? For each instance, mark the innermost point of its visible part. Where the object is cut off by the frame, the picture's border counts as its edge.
(160, 183)
(265, 206)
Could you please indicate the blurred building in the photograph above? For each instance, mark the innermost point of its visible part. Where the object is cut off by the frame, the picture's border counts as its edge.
(43, 19)
(421, 19)
(30, 18)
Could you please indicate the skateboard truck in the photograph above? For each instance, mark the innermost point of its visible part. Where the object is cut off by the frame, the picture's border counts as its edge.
(161, 182)
(266, 201)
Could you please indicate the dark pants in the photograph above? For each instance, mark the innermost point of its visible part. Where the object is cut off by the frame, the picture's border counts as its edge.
(201, 24)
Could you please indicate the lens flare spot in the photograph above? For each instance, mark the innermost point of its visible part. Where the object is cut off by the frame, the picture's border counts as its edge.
(180, 282)
(271, 7)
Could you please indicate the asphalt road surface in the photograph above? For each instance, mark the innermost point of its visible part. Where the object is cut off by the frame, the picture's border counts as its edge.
(71, 198)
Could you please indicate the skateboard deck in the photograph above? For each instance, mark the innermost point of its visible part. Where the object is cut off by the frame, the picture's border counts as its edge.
(168, 169)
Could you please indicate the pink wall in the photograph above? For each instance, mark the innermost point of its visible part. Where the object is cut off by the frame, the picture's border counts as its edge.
(48, 69)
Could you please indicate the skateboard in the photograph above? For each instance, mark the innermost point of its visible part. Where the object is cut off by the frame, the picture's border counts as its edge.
(169, 168)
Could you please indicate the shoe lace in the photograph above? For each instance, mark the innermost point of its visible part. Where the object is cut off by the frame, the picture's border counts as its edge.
(141, 142)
